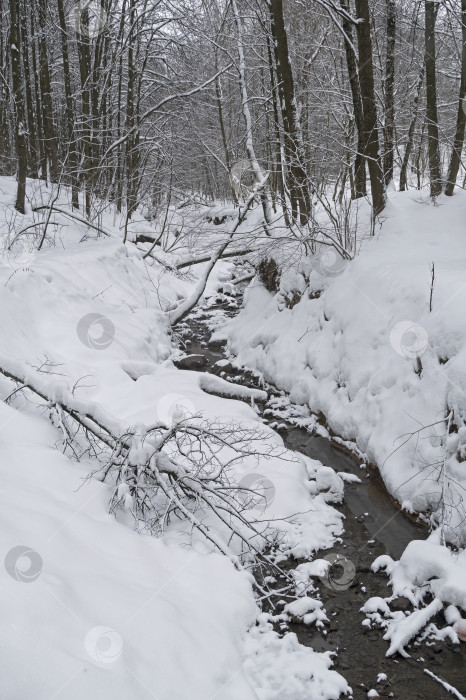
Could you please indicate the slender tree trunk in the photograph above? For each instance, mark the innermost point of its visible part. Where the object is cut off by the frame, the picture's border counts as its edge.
(4, 99)
(69, 113)
(371, 134)
(107, 114)
(461, 118)
(50, 141)
(35, 60)
(119, 118)
(299, 186)
(130, 99)
(431, 88)
(412, 126)
(389, 128)
(95, 113)
(20, 116)
(278, 165)
(33, 160)
(360, 189)
(85, 74)
(259, 175)
(219, 97)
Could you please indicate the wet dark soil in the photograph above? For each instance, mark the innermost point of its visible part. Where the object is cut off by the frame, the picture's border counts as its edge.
(373, 526)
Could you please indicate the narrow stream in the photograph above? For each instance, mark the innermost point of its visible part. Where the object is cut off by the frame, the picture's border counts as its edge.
(373, 526)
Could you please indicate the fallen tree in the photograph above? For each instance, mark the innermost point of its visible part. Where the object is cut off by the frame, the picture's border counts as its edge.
(184, 471)
(180, 313)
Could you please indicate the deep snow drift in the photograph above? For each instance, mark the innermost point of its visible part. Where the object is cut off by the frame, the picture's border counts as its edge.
(90, 607)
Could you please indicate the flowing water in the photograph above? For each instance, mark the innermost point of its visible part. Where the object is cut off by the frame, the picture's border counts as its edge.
(373, 526)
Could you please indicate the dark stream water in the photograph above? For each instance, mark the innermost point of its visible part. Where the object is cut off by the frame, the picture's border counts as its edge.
(373, 526)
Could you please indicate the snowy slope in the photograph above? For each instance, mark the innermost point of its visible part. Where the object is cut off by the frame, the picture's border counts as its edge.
(370, 355)
(90, 607)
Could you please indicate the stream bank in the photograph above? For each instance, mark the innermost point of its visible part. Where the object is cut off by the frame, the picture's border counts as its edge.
(373, 526)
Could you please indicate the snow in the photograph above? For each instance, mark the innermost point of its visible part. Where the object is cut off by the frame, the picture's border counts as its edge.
(447, 686)
(217, 385)
(85, 322)
(426, 568)
(401, 632)
(330, 484)
(91, 607)
(98, 573)
(307, 610)
(362, 348)
(376, 604)
(297, 672)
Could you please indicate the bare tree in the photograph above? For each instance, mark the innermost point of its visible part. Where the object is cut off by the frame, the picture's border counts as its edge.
(461, 117)
(389, 84)
(353, 75)
(294, 154)
(431, 87)
(18, 97)
(371, 134)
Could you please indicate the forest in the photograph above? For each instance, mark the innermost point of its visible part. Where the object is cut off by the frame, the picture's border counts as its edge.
(233, 349)
(135, 102)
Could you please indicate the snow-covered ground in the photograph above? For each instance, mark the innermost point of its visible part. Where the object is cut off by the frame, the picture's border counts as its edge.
(378, 351)
(90, 607)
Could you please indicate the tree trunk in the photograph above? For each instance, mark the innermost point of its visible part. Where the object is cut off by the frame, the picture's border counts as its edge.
(50, 141)
(18, 96)
(69, 113)
(4, 100)
(218, 95)
(299, 186)
(119, 167)
(371, 135)
(130, 99)
(360, 189)
(278, 165)
(461, 118)
(33, 160)
(96, 114)
(258, 174)
(35, 60)
(389, 127)
(412, 126)
(85, 73)
(431, 87)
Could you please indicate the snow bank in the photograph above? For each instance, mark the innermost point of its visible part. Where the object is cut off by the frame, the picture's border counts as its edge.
(428, 567)
(297, 672)
(110, 614)
(89, 607)
(363, 348)
(426, 573)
